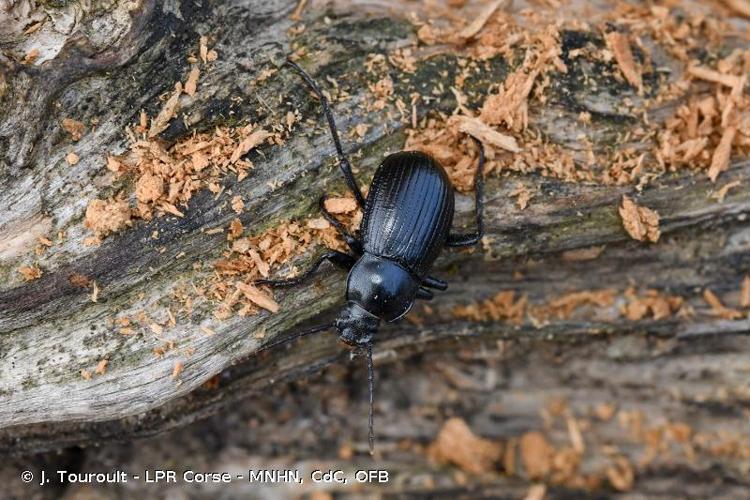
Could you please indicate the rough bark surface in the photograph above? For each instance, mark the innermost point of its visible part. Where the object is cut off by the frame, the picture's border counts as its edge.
(691, 367)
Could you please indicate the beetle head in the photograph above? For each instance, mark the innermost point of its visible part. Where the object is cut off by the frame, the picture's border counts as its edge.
(356, 326)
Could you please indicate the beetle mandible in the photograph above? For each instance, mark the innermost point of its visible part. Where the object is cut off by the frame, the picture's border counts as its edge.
(407, 219)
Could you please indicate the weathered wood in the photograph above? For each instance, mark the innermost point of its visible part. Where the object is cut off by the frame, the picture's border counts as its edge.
(50, 330)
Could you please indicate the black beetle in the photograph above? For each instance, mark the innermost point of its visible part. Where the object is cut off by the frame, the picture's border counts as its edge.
(407, 220)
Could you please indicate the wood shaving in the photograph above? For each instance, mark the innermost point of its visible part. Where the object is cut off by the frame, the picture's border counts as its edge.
(101, 367)
(486, 134)
(191, 85)
(258, 297)
(249, 142)
(722, 192)
(522, 194)
(297, 13)
(94, 292)
(203, 49)
(149, 187)
(107, 216)
(177, 369)
(30, 273)
(502, 306)
(619, 44)
(458, 445)
(478, 23)
(641, 223)
(718, 308)
(536, 454)
(72, 158)
(168, 111)
(340, 205)
(620, 474)
(79, 280)
(74, 128)
(659, 306)
(745, 292)
(722, 153)
(536, 492)
(31, 56)
(741, 7)
(237, 204)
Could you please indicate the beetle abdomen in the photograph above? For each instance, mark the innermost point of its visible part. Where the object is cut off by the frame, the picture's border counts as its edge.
(409, 211)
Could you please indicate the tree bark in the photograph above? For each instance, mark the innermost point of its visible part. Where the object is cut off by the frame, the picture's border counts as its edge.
(50, 330)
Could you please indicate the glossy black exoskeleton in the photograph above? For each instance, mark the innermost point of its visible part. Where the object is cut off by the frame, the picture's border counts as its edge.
(406, 223)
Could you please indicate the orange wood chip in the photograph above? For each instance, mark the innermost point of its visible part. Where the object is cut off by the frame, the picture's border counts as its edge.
(478, 23)
(74, 128)
(341, 205)
(745, 292)
(619, 44)
(168, 111)
(191, 85)
(487, 134)
(249, 143)
(258, 297)
(457, 444)
(101, 367)
(72, 158)
(104, 217)
(722, 154)
(30, 273)
(536, 454)
(641, 223)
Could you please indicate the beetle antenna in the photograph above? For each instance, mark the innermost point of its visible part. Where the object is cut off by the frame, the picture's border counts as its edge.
(371, 386)
(346, 168)
(305, 333)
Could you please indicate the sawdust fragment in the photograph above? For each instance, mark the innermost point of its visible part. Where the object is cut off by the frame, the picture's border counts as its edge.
(31, 56)
(177, 369)
(248, 143)
(72, 158)
(741, 7)
(101, 367)
(745, 292)
(104, 217)
(536, 492)
(237, 204)
(258, 297)
(168, 111)
(191, 85)
(341, 205)
(722, 154)
(457, 444)
(620, 474)
(30, 273)
(522, 194)
(488, 135)
(619, 44)
(149, 187)
(74, 128)
(718, 308)
(79, 280)
(722, 192)
(536, 454)
(478, 23)
(641, 223)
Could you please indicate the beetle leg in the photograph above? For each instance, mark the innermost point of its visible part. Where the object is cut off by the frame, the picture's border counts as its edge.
(341, 259)
(434, 283)
(424, 294)
(344, 164)
(469, 239)
(354, 243)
